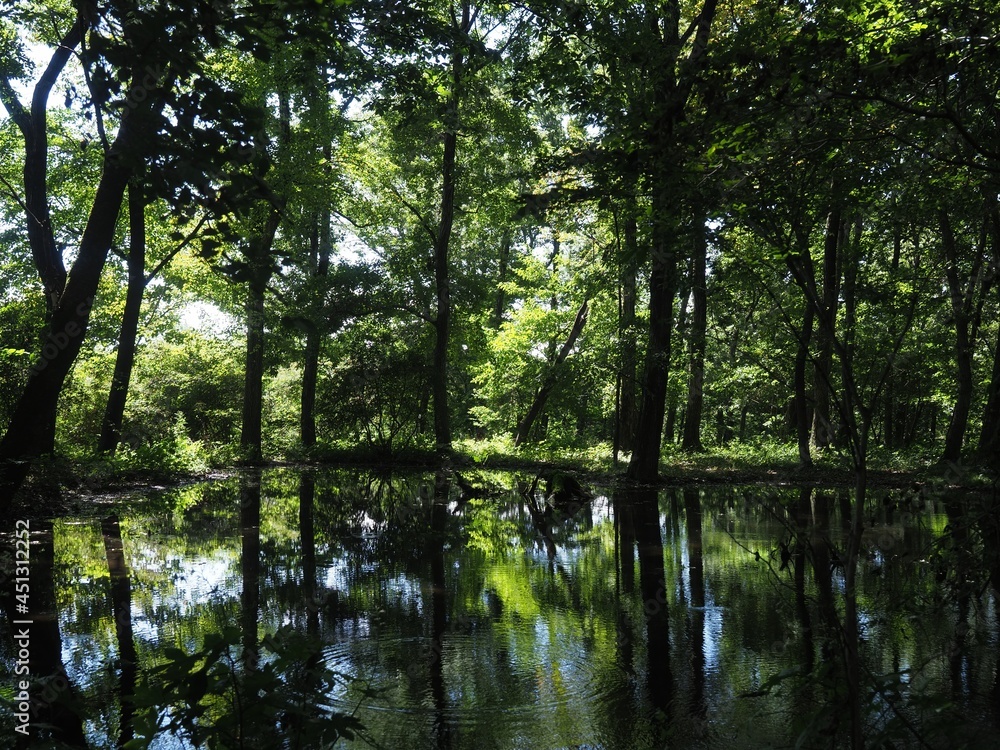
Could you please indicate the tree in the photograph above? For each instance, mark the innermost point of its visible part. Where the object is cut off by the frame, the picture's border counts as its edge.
(696, 382)
(636, 82)
(442, 84)
(138, 63)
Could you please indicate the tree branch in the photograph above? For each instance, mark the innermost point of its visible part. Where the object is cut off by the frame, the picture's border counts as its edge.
(170, 256)
(61, 55)
(13, 105)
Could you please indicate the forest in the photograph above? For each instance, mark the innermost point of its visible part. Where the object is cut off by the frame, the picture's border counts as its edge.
(236, 233)
(640, 241)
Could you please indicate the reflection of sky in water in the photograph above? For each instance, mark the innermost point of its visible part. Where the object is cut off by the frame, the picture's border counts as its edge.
(196, 580)
(537, 646)
(192, 581)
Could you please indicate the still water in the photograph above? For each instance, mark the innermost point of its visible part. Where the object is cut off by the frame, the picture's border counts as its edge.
(522, 617)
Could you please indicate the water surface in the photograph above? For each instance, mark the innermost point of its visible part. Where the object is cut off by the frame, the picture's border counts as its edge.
(522, 619)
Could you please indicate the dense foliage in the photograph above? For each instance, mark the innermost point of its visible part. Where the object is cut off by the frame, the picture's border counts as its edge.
(593, 223)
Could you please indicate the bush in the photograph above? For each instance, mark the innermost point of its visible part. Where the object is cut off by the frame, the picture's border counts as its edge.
(198, 376)
(176, 454)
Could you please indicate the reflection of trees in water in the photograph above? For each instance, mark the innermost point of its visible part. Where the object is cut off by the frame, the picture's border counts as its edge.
(52, 693)
(250, 563)
(121, 609)
(439, 609)
(307, 535)
(420, 581)
(696, 581)
(652, 588)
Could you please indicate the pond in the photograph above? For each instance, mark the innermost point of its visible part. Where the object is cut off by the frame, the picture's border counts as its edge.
(520, 615)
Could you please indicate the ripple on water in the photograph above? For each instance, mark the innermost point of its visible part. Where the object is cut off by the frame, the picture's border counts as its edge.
(510, 685)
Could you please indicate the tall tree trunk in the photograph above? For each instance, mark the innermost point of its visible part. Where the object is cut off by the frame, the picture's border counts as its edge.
(626, 332)
(699, 323)
(676, 412)
(823, 428)
(644, 466)
(261, 268)
(253, 384)
(801, 396)
(442, 244)
(955, 436)
(32, 121)
(672, 90)
(850, 258)
(542, 395)
(114, 412)
(890, 427)
(989, 438)
(320, 252)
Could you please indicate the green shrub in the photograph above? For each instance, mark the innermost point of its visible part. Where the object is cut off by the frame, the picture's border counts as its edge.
(176, 453)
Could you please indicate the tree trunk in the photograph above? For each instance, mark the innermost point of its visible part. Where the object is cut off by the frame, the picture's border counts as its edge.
(626, 334)
(320, 252)
(310, 375)
(442, 243)
(699, 322)
(989, 438)
(822, 427)
(253, 384)
(801, 267)
(33, 124)
(676, 416)
(850, 260)
(114, 412)
(955, 436)
(261, 268)
(31, 431)
(890, 427)
(644, 466)
(672, 91)
(542, 395)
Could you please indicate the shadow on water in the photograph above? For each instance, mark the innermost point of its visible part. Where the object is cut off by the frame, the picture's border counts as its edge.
(501, 611)
(121, 609)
